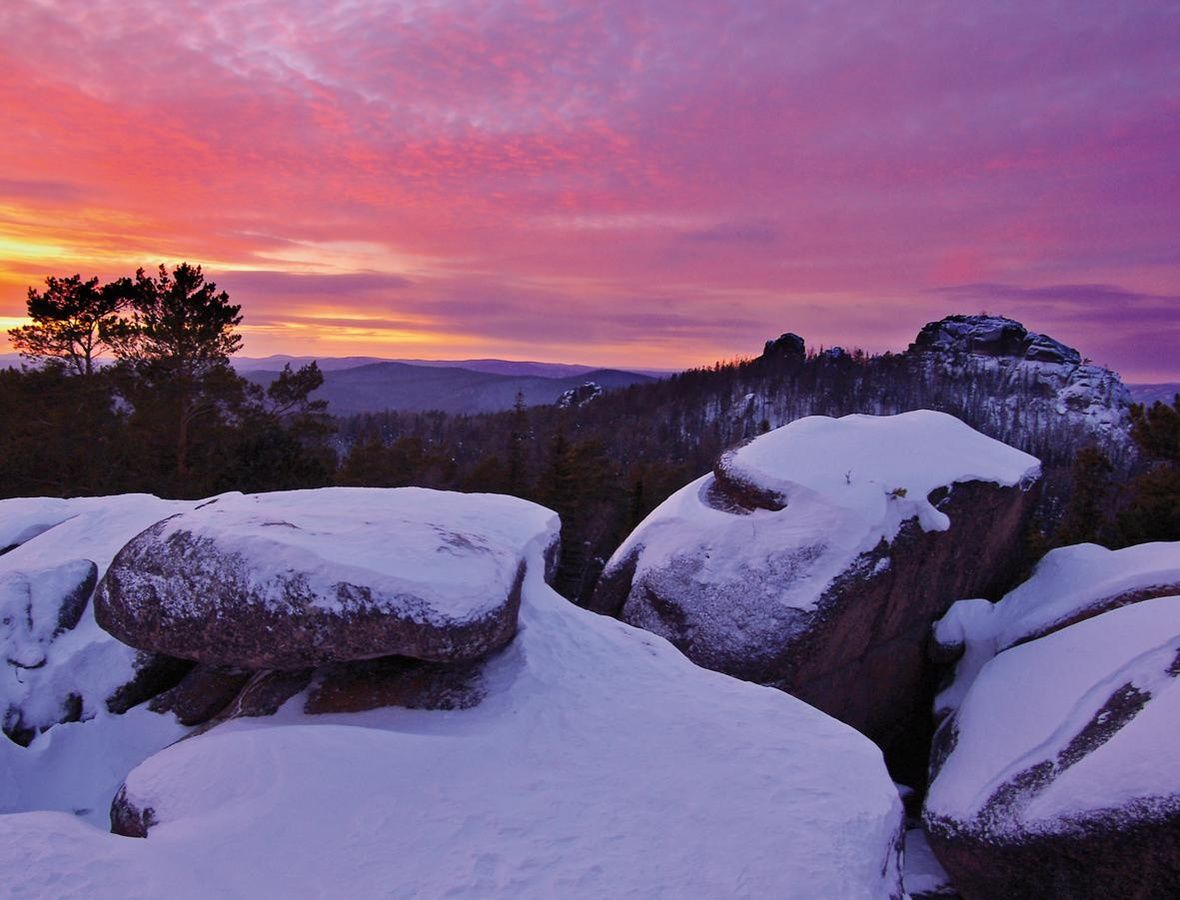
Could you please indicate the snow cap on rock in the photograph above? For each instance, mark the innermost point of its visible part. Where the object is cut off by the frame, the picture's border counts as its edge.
(298, 578)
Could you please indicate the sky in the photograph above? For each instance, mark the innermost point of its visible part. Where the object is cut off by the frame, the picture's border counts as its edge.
(656, 183)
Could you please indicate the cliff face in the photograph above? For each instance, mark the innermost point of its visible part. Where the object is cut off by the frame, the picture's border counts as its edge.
(1050, 383)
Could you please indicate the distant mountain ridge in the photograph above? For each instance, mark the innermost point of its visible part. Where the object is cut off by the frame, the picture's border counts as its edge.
(490, 366)
(407, 387)
(1148, 394)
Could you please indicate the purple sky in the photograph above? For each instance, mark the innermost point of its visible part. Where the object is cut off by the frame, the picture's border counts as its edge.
(648, 183)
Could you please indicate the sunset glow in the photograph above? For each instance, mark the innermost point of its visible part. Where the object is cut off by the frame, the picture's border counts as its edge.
(642, 182)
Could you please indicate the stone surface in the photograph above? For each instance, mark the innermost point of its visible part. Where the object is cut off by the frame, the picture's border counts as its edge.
(129, 820)
(395, 681)
(201, 694)
(293, 580)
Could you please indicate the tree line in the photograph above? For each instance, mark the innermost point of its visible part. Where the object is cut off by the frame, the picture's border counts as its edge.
(131, 389)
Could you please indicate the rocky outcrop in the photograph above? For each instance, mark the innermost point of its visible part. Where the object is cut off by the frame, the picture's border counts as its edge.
(815, 558)
(1056, 776)
(788, 346)
(293, 580)
(1034, 383)
(991, 336)
(575, 398)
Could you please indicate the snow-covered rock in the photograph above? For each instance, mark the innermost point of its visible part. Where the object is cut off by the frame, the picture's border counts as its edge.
(1068, 585)
(1058, 774)
(816, 557)
(1047, 386)
(578, 397)
(601, 763)
(59, 664)
(298, 578)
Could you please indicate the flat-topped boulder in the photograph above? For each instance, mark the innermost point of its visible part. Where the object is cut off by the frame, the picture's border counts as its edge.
(816, 557)
(294, 579)
(1057, 775)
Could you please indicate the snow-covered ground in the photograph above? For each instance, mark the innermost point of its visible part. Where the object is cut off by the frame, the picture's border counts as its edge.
(601, 763)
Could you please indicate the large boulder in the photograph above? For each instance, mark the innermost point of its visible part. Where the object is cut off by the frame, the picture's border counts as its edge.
(59, 665)
(816, 557)
(1057, 775)
(295, 579)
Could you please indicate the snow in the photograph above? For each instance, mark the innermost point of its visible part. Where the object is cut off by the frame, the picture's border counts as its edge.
(23, 519)
(1029, 702)
(1067, 583)
(85, 660)
(430, 555)
(924, 874)
(843, 482)
(601, 763)
(33, 611)
(77, 767)
(881, 467)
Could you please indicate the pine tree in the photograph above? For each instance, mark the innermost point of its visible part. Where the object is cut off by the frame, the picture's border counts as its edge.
(176, 347)
(72, 322)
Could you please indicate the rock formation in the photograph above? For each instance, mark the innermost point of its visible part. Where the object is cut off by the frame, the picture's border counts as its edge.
(600, 763)
(815, 558)
(296, 579)
(1057, 774)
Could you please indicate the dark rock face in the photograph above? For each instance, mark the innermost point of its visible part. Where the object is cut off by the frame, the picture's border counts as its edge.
(155, 673)
(786, 346)
(201, 694)
(129, 820)
(1132, 853)
(147, 600)
(395, 681)
(992, 336)
(862, 657)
